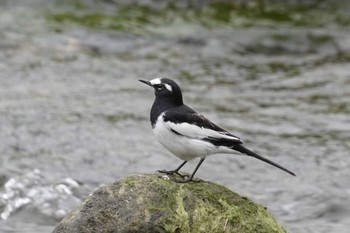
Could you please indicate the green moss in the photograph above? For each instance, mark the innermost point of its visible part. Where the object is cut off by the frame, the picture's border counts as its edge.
(149, 203)
(216, 209)
(129, 182)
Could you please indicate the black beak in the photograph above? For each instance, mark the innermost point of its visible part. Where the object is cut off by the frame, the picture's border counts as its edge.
(146, 82)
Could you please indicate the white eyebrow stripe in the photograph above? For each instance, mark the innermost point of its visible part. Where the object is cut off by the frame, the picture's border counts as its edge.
(168, 87)
(156, 81)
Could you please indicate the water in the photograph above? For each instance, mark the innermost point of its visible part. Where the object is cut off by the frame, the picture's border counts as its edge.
(73, 115)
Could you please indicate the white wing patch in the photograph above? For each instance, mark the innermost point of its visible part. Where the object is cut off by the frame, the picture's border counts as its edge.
(194, 131)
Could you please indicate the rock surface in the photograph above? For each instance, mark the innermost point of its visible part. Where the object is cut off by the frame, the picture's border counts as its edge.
(155, 203)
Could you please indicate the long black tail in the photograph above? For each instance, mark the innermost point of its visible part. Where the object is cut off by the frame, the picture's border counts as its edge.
(244, 150)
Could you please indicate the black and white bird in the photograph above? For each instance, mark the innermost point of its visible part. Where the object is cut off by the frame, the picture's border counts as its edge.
(187, 134)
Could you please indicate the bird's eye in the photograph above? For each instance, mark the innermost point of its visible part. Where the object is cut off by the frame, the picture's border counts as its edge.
(159, 87)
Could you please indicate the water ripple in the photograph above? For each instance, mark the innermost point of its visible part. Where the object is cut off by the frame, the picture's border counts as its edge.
(34, 191)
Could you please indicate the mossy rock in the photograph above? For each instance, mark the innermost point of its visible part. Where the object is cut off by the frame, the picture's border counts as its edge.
(153, 203)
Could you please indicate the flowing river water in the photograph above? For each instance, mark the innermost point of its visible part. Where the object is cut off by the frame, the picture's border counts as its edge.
(73, 115)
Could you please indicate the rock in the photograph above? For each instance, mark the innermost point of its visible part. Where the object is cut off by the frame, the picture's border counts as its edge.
(155, 203)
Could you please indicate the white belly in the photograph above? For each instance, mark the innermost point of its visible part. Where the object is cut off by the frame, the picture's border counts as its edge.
(185, 148)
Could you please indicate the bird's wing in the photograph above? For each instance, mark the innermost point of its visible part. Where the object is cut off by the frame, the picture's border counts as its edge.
(193, 125)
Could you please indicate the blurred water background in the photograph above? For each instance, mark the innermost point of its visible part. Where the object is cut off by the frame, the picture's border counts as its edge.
(73, 115)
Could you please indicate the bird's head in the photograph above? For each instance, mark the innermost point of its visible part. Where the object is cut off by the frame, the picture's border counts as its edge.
(165, 89)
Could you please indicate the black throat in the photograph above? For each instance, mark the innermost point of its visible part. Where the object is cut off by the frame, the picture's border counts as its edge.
(162, 104)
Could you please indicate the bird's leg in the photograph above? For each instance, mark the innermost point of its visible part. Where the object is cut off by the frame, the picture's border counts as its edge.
(188, 179)
(175, 171)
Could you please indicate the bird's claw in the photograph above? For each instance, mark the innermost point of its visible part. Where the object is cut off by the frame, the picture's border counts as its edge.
(187, 180)
(171, 172)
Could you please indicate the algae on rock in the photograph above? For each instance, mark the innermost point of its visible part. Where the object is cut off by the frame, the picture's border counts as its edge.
(149, 203)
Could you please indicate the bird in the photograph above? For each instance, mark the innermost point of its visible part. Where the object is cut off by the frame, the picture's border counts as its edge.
(188, 134)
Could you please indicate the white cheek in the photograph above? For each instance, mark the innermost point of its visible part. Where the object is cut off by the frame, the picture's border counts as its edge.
(168, 87)
(156, 81)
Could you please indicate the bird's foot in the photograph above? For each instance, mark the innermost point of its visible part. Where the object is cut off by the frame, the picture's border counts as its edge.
(187, 180)
(171, 172)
